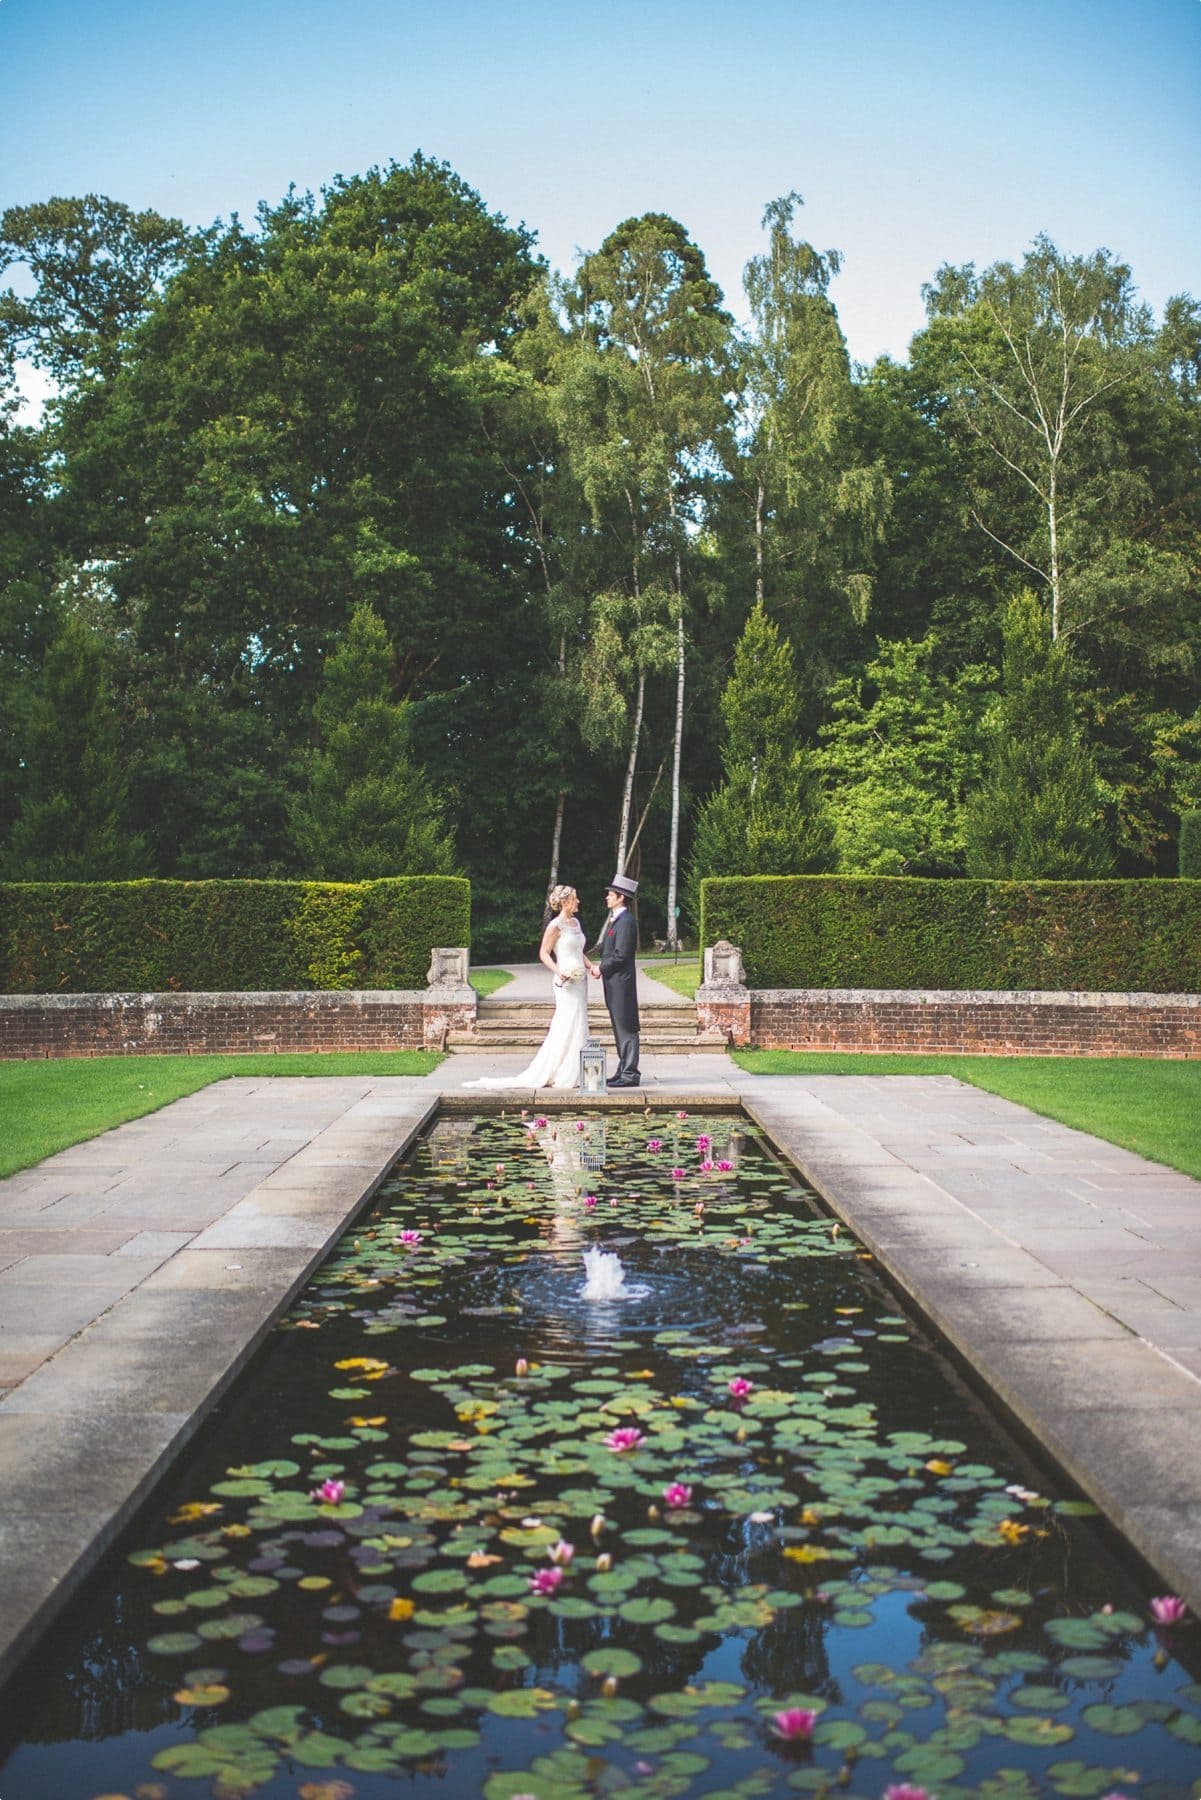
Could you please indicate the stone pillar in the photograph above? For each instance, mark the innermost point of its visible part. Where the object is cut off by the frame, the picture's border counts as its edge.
(449, 1002)
(723, 1000)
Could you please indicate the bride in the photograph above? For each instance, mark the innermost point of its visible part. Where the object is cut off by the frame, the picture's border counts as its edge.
(557, 1064)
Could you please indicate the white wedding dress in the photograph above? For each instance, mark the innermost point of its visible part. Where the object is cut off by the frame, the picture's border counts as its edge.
(557, 1064)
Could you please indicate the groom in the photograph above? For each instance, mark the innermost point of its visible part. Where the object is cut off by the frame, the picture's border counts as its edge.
(619, 941)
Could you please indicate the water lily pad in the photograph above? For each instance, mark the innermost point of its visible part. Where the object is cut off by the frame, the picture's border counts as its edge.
(611, 1660)
(1037, 1731)
(646, 1612)
(1114, 1721)
(522, 1703)
(173, 1643)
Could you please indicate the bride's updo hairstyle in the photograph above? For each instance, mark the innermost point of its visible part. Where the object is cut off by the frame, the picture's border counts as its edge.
(556, 897)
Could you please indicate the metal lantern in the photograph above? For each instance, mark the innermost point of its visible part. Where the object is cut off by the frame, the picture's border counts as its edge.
(592, 1068)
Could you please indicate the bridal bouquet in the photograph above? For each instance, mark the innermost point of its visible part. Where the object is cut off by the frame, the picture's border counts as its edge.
(571, 974)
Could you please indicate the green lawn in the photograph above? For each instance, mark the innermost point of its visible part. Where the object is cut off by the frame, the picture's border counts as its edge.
(49, 1105)
(683, 977)
(487, 981)
(1152, 1107)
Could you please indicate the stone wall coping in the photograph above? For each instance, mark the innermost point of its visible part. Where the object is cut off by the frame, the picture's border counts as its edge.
(968, 997)
(331, 997)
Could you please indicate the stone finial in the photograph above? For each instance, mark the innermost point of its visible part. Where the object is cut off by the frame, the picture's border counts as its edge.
(723, 964)
(448, 968)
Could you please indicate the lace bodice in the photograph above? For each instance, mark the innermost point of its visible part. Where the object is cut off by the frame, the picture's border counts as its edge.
(569, 947)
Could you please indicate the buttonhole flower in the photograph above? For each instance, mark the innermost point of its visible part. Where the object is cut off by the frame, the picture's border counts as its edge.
(410, 1239)
(795, 1724)
(330, 1491)
(626, 1437)
(561, 1553)
(740, 1387)
(677, 1493)
(545, 1581)
(654, 1143)
(1168, 1609)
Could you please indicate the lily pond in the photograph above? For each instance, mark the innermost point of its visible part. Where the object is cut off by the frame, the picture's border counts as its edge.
(736, 1529)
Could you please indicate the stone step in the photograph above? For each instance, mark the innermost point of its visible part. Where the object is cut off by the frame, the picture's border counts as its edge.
(460, 1041)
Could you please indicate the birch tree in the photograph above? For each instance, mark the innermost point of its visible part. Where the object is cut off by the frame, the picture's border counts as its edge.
(647, 306)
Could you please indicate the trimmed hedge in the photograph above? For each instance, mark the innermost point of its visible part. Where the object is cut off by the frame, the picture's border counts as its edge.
(1190, 846)
(226, 936)
(879, 931)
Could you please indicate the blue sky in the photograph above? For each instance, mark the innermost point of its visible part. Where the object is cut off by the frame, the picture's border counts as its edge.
(939, 131)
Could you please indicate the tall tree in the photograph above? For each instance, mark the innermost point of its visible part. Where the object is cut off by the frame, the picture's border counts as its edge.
(95, 266)
(72, 824)
(816, 504)
(899, 756)
(1037, 815)
(1038, 350)
(647, 303)
(769, 816)
(368, 810)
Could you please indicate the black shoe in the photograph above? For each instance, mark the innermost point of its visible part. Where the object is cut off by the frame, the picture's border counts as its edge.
(615, 1081)
(623, 1081)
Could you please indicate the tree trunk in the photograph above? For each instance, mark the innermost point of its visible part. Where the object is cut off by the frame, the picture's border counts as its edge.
(1053, 529)
(759, 504)
(627, 798)
(560, 804)
(672, 933)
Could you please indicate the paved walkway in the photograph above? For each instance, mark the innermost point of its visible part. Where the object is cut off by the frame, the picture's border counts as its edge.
(532, 982)
(139, 1271)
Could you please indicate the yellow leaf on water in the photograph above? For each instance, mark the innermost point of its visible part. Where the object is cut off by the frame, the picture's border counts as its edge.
(371, 1422)
(361, 1362)
(1013, 1531)
(235, 1531)
(480, 1559)
(204, 1694)
(194, 1509)
(806, 1553)
(937, 1466)
(401, 1609)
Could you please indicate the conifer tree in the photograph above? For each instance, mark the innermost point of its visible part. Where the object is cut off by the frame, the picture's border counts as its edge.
(1037, 815)
(369, 810)
(768, 817)
(72, 821)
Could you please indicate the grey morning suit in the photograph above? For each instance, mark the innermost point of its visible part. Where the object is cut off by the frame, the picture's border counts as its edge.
(619, 941)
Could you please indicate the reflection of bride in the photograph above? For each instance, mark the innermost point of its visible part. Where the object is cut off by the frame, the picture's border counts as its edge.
(557, 1064)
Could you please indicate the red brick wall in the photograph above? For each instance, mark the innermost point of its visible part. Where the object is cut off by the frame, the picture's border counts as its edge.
(980, 1024)
(54, 1025)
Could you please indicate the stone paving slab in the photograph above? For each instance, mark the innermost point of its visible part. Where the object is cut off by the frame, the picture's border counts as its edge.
(139, 1272)
(135, 1286)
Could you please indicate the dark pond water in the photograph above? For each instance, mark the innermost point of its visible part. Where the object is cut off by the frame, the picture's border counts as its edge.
(805, 1524)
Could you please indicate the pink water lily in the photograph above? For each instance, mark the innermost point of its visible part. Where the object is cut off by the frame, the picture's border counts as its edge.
(539, 1124)
(706, 1167)
(330, 1491)
(678, 1174)
(546, 1581)
(1168, 1609)
(795, 1723)
(410, 1239)
(681, 1115)
(902, 1790)
(626, 1437)
(561, 1553)
(676, 1494)
(725, 1165)
(589, 1200)
(740, 1387)
(521, 1366)
(654, 1143)
(579, 1124)
(703, 1141)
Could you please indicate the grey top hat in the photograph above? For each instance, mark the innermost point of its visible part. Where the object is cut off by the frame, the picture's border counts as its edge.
(621, 884)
